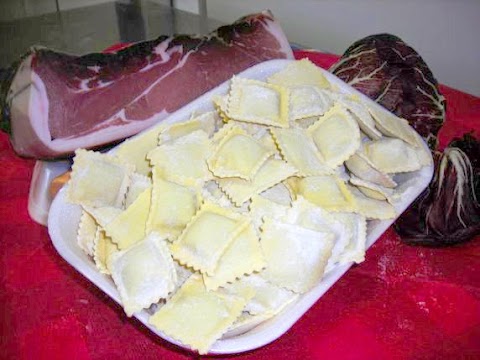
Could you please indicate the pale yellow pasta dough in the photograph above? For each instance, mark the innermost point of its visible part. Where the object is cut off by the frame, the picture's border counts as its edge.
(302, 72)
(103, 249)
(87, 230)
(98, 180)
(269, 298)
(129, 226)
(258, 102)
(279, 194)
(103, 215)
(310, 216)
(238, 155)
(328, 192)
(272, 172)
(197, 317)
(361, 114)
(392, 155)
(172, 206)
(296, 256)
(307, 101)
(242, 256)
(357, 225)
(393, 126)
(134, 150)
(206, 122)
(336, 135)
(207, 236)
(144, 273)
(261, 207)
(184, 158)
(372, 208)
(372, 190)
(298, 149)
(139, 183)
(359, 165)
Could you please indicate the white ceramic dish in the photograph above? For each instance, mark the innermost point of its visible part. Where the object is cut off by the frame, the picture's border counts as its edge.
(64, 218)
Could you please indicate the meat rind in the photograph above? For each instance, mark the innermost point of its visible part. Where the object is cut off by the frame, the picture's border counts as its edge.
(58, 102)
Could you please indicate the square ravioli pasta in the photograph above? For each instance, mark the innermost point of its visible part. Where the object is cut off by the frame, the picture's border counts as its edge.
(296, 257)
(144, 273)
(172, 206)
(258, 102)
(207, 236)
(98, 179)
(198, 317)
(243, 256)
(237, 154)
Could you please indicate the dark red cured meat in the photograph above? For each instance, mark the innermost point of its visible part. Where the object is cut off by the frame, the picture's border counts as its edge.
(59, 102)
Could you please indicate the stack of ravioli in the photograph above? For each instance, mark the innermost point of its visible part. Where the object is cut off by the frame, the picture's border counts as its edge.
(220, 222)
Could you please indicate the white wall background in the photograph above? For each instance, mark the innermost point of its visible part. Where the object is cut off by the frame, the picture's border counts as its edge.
(446, 33)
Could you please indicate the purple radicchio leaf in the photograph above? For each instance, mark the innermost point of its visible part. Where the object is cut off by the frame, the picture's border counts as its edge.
(448, 211)
(393, 74)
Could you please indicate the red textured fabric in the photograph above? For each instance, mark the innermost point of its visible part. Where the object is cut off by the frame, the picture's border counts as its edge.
(403, 302)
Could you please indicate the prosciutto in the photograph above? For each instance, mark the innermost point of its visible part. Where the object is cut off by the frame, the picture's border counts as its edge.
(59, 102)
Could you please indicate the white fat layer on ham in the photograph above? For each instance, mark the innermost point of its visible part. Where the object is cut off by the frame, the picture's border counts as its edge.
(38, 108)
(85, 88)
(108, 134)
(274, 28)
(29, 105)
(161, 49)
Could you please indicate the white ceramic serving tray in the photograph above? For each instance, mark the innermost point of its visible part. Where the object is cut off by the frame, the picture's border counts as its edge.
(64, 218)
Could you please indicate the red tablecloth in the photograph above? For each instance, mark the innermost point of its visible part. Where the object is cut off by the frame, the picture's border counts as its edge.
(403, 302)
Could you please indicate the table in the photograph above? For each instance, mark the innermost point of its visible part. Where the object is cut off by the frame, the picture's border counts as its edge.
(403, 302)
